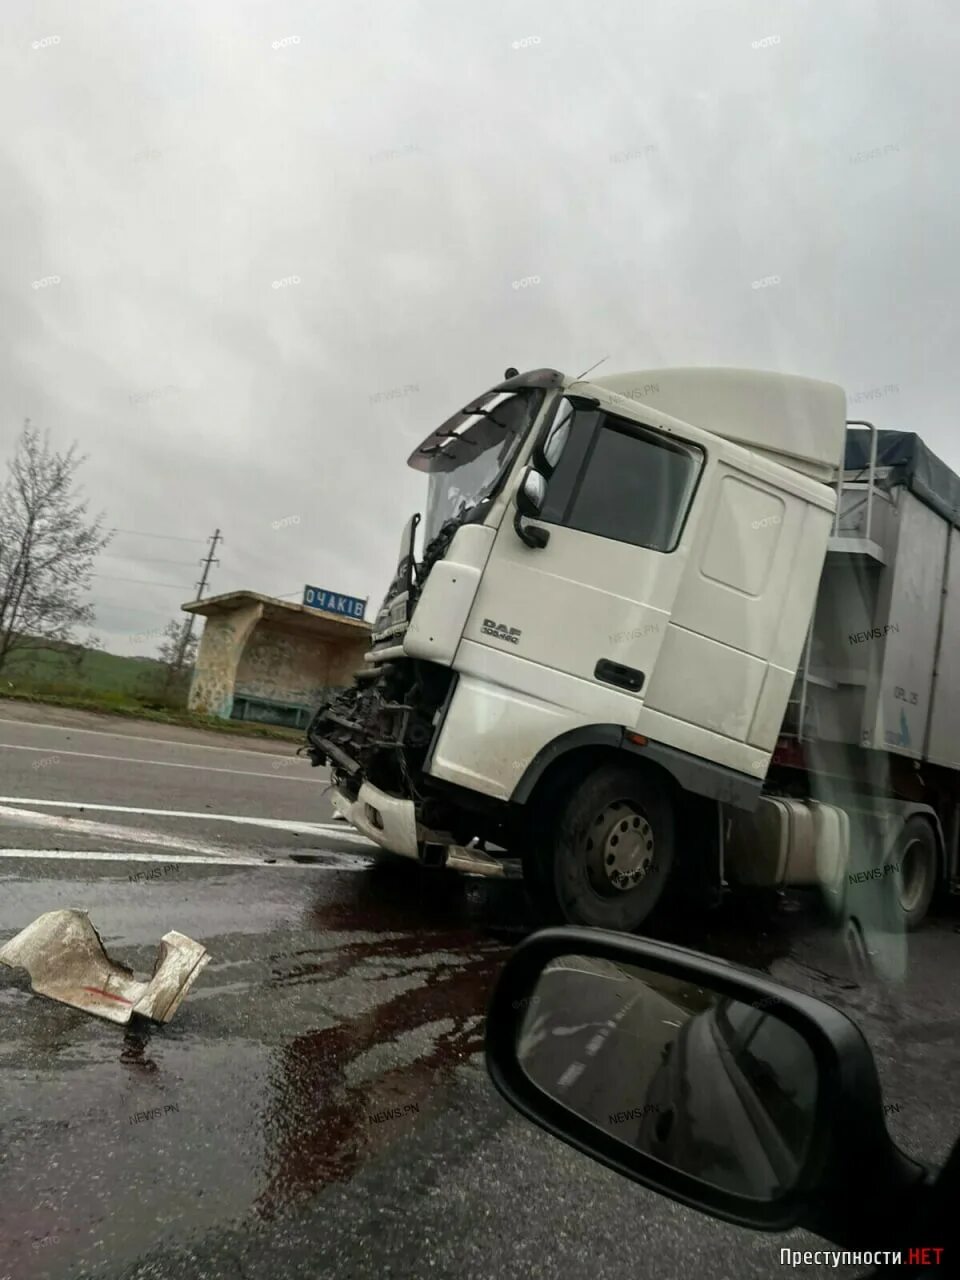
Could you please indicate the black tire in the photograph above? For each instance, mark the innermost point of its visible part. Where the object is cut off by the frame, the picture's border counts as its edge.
(915, 882)
(605, 862)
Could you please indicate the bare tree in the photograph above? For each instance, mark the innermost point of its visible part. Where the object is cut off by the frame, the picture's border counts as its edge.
(177, 657)
(172, 651)
(47, 548)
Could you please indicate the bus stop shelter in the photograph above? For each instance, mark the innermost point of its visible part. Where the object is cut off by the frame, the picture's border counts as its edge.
(265, 659)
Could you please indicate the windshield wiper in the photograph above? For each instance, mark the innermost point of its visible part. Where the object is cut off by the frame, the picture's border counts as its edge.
(487, 413)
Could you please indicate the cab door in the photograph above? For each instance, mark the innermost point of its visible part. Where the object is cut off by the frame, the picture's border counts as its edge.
(580, 621)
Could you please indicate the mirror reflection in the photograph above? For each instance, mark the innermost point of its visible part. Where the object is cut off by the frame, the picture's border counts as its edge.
(718, 1089)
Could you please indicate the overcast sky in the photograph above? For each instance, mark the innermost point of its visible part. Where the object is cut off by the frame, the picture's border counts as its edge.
(439, 191)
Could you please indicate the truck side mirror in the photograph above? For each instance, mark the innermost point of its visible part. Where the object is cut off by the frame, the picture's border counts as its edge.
(531, 496)
(548, 450)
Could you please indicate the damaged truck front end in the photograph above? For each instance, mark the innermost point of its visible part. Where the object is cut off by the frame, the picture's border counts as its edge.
(377, 737)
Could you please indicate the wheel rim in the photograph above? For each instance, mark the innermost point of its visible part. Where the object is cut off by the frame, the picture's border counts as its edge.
(912, 878)
(619, 848)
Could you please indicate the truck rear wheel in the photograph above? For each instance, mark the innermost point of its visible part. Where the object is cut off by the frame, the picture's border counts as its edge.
(916, 880)
(607, 860)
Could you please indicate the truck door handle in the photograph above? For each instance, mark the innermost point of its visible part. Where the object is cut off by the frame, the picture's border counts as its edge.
(613, 673)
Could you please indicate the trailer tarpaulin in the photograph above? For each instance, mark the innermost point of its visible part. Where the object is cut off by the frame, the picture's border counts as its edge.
(912, 463)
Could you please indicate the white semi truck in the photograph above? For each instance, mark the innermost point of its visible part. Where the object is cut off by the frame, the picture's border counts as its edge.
(669, 632)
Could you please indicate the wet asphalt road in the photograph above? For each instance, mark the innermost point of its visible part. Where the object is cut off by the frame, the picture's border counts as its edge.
(247, 1138)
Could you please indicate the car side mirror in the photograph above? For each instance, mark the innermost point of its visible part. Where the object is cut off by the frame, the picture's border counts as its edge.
(531, 495)
(709, 1084)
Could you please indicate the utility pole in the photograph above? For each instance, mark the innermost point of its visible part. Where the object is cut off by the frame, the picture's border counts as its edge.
(188, 627)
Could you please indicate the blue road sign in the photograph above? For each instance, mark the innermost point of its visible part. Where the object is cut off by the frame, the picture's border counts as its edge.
(332, 602)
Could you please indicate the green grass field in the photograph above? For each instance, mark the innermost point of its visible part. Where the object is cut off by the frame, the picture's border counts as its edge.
(94, 681)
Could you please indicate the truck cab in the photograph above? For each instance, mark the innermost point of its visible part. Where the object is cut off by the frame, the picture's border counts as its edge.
(596, 647)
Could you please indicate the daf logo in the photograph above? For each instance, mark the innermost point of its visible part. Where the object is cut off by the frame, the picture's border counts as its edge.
(500, 631)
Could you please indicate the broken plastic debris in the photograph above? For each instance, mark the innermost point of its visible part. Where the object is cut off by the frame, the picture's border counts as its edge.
(66, 960)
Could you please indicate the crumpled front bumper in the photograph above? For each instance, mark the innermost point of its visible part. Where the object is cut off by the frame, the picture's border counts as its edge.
(386, 820)
(391, 823)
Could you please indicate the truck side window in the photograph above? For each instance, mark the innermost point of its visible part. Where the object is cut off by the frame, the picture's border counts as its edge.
(617, 480)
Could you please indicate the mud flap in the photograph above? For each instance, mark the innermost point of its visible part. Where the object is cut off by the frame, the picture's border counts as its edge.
(66, 961)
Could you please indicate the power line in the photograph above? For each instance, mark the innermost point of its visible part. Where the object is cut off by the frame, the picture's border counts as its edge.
(113, 555)
(174, 586)
(137, 533)
(129, 608)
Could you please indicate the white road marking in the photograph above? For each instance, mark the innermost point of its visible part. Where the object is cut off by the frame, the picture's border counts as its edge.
(108, 831)
(164, 742)
(596, 1043)
(571, 1075)
(280, 824)
(160, 764)
(332, 861)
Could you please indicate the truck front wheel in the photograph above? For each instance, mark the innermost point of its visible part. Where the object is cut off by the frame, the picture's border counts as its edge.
(606, 860)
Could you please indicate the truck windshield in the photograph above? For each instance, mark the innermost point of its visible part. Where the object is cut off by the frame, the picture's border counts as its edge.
(468, 457)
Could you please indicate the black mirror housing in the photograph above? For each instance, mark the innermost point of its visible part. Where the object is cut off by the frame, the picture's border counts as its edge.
(853, 1181)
